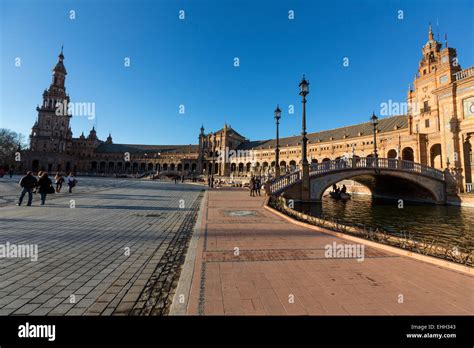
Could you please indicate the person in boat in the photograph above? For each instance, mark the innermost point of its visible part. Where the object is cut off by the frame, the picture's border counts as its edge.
(344, 189)
(336, 189)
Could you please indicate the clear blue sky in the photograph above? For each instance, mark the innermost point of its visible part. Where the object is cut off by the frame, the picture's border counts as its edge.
(190, 62)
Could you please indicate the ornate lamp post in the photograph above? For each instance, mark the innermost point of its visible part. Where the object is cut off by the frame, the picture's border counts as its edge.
(146, 155)
(304, 90)
(277, 150)
(375, 121)
(213, 158)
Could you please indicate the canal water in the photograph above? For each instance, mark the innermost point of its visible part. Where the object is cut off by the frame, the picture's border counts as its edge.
(448, 225)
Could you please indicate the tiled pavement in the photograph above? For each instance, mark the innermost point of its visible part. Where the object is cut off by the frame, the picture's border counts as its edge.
(262, 264)
(82, 250)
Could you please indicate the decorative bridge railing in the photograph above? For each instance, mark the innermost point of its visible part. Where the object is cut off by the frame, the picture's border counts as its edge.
(280, 184)
(285, 181)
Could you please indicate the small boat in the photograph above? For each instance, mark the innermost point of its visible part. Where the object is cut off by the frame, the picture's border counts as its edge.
(338, 195)
(345, 196)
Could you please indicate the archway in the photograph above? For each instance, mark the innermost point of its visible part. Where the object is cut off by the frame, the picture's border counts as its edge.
(392, 153)
(468, 160)
(408, 154)
(435, 156)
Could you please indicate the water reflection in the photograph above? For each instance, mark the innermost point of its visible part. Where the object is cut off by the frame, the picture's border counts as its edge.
(447, 225)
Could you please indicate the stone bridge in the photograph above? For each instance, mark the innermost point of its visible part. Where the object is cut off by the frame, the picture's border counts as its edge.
(385, 177)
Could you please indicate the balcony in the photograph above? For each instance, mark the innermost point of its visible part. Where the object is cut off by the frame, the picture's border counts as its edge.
(464, 74)
(425, 110)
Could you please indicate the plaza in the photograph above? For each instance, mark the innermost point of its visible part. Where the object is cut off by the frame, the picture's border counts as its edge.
(117, 251)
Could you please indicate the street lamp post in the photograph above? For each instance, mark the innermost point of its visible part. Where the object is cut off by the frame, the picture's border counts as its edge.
(305, 194)
(277, 150)
(146, 155)
(213, 158)
(375, 121)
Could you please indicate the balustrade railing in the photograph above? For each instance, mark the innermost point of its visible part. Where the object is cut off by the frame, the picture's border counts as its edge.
(282, 182)
(464, 73)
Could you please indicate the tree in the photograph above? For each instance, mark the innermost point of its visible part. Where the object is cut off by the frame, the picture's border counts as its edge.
(10, 143)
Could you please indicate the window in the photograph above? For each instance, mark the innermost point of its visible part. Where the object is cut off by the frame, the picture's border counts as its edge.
(424, 71)
(444, 59)
(427, 123)
(425, 105)
(443, 79)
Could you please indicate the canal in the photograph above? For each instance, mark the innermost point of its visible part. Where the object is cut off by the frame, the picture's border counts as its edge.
(448, 225)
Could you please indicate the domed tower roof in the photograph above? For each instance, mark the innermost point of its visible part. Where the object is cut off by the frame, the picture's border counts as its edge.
(60, 65)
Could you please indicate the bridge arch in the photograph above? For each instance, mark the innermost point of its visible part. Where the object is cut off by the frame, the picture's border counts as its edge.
(385, 183)
(389, 178)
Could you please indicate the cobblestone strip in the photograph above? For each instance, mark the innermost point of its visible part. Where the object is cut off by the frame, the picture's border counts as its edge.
(156, 298)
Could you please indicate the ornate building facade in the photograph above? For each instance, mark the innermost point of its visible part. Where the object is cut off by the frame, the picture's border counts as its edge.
(437, 131)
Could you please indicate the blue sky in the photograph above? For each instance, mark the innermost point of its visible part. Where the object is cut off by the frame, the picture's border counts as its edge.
(190, 62)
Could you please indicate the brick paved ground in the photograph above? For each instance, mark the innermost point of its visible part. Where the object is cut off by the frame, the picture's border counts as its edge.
(82, 250)
(281, 269)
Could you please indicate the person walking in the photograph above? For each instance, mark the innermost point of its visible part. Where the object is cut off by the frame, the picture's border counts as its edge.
(252, 186)
(28, 183)
(10, 172)
(58, 180)
(45, 186)
(258, 185)
(71, 182)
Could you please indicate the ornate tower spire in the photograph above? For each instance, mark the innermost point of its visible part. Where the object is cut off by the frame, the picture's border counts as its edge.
(59, 72)
(430, 33)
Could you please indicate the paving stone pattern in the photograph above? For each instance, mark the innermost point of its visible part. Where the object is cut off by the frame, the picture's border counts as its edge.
(82, 251)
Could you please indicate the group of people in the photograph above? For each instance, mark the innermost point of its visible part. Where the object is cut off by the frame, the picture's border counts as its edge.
(43, 185)
(255, 185)
(336, 189)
